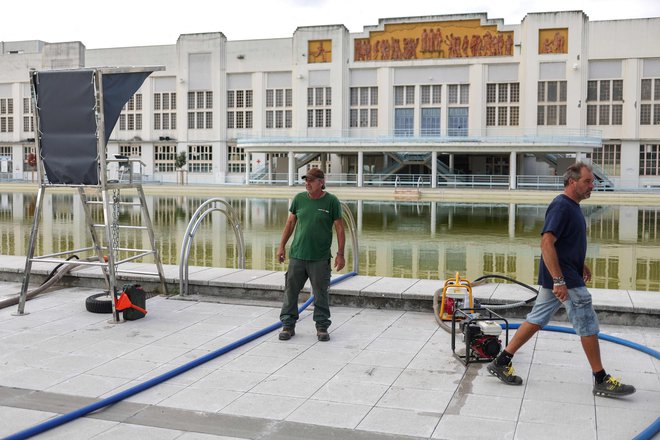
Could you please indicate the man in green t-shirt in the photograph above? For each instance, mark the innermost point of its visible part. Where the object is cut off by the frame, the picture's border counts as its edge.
(312, 215)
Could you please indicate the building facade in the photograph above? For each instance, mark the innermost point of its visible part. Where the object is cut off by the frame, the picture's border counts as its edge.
(442, 100)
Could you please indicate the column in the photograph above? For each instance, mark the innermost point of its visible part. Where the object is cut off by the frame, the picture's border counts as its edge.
(247, 168)
(512, 220)
(451, 163)
(434, 215)
(292, 164)
(360, 169)
(434, 169)
(360, 211)
(269, 160)
(513, 170)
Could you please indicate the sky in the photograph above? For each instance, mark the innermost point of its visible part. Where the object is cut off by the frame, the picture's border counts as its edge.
(122, 23)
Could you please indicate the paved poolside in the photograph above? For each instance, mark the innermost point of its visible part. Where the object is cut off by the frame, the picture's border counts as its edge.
(385, 374)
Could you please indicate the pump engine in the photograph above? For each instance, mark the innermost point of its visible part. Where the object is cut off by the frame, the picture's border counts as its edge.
(482, 337)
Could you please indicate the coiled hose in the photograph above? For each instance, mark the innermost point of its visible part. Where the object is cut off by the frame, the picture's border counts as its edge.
(65, 418)
(477, 282)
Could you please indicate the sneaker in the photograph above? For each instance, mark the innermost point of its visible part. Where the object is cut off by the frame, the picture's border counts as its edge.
(505, 373)
(611, 387)
(322, 334)
(287, 333)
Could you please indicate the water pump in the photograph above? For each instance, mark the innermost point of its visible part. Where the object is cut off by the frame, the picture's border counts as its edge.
(481, 329)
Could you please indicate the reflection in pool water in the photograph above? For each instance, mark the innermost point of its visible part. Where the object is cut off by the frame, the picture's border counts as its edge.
(430, 240)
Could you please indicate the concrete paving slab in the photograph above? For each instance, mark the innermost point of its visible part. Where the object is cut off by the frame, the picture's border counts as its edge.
(353, 286)
(645, 301)
(387, 287)
(422, 289)
(239, 278)
(385, 374)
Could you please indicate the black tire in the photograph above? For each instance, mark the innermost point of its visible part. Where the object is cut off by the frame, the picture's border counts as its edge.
(99, 303)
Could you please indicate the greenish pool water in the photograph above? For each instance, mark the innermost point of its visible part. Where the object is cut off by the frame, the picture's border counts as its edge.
(428, 240)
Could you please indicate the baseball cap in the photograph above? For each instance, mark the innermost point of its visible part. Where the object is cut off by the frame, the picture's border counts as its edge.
(314, 173)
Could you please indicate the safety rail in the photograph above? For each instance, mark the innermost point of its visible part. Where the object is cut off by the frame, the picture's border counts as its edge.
(209, 206)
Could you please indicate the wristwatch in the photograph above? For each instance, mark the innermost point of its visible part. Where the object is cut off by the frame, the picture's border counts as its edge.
(558, 281)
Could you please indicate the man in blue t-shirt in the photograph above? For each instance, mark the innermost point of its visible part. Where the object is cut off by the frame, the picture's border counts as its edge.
(313, 213)
(562, 277)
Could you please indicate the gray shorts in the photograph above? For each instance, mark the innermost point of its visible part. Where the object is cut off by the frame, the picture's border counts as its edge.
(579, 308)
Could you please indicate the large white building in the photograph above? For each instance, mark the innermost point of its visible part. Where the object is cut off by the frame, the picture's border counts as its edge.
(442, 100)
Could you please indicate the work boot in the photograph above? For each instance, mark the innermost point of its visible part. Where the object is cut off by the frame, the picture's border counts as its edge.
(611, 387)
(287, 332)
(322, 334)
(505, 373)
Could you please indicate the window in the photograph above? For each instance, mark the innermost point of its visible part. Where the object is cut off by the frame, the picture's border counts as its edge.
(363, 107)
(608, 158)
(430, 121)
(431, 94)
(239, 109)
(457, 113)
(404, 95)
(131, 150)
(6, 157)
(28, 117)
(200, 158)
(164, 158)
(649, 160)
(165, 111)
(649, 112)
(404, 122)
(457, 121)
(235, 159)
(131, 115)
(279, 108)
(404, 111)
(499, 98)
(200, 110)
(458, 93)
(6, 115)
(551, 96)
(319, 99)
(605, 102)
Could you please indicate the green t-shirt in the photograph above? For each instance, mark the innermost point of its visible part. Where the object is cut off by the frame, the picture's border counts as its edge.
(314, 219)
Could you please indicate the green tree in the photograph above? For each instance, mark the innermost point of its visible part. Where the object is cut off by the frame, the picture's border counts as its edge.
(180, 160)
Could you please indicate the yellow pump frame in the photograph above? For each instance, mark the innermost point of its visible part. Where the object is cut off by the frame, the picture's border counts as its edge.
(455, 288)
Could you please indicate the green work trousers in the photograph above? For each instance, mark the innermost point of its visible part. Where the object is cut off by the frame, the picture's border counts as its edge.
(318, 273)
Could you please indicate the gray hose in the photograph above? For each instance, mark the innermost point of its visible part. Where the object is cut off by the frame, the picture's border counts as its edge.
(12, 301)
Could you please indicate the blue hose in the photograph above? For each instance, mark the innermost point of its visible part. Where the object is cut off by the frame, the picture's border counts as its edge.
(65, 418)
(649, 432)
(603, 336)
(654, 427)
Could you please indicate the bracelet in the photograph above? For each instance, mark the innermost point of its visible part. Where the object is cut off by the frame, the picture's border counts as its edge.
(559, 283)
(558, 280)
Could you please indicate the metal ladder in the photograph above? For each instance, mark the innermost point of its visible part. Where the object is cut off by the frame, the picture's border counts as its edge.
(105, 238)
(73, 133)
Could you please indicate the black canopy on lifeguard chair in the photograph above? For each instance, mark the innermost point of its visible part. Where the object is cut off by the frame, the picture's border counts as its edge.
(75, 112)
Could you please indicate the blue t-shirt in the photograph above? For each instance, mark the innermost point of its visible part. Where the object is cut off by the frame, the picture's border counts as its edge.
(565, 220)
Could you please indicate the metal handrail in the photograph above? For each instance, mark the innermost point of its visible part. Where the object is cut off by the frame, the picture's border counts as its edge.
(200, 214)
(350, 220)
(229, 211)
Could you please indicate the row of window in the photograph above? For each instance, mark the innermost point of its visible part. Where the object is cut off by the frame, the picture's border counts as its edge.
(604, 106)
(200, 158)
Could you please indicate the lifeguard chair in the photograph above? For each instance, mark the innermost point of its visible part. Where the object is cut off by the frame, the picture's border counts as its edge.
(75, 112)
